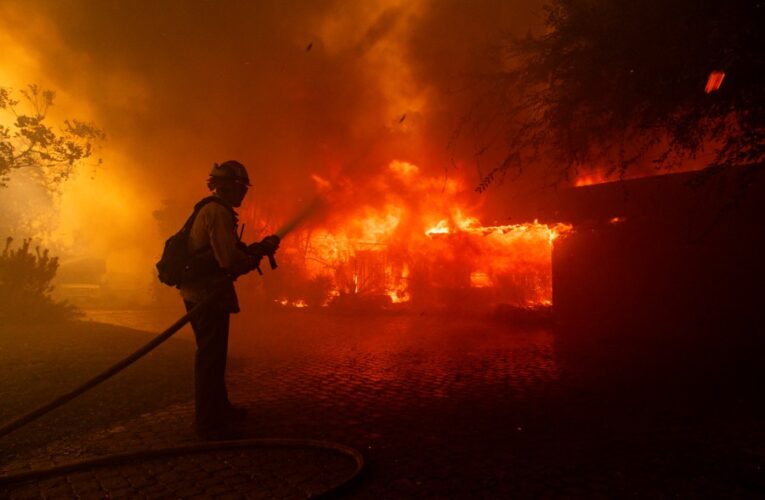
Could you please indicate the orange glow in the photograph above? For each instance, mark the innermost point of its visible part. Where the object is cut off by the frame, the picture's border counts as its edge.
(358, 95)
(441, 228)
(98, 213)
(292, 303)
(480, 280)
(321, 183)
(605, 173)
(404, 168)
(714, 81)
(591, 178)
(409, 238)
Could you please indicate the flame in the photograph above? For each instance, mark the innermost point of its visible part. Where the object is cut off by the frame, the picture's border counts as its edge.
(356, 86)
(403, 168)
(588, 179)
(394, 241)
(300, 303)
(398, 297)
(480, 280)
(397, 290)
(441, 228)
(460, 222)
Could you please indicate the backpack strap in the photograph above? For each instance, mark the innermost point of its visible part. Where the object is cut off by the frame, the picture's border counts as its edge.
(210, 199)
(186, 229)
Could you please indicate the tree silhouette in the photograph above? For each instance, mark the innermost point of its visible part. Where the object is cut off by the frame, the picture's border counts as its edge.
(617, 82)
(25, 285)
(30, 143)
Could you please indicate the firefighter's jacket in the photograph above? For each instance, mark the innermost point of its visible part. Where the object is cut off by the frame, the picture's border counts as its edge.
(215, 232)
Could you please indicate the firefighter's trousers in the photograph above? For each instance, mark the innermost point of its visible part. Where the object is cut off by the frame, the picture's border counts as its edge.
(211, 332)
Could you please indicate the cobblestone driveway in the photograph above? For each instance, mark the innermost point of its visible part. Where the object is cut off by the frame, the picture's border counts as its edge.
(455, 408)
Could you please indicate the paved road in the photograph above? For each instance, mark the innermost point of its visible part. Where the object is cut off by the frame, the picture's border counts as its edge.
(441, 407)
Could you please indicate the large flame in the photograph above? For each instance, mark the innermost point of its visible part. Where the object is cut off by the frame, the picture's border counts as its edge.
(297, 85)
(406, 242)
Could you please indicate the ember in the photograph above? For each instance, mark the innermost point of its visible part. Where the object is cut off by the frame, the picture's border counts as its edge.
(714, 81)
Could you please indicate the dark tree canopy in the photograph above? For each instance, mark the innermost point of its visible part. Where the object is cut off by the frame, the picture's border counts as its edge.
(31, 143)
(614, 82)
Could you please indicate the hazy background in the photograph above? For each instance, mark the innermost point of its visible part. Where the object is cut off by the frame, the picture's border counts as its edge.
(334, 88)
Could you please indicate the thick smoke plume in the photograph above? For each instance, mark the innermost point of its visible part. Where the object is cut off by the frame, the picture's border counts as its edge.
(292, 89)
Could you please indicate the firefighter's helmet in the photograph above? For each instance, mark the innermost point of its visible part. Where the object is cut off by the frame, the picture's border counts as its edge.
(230, 170)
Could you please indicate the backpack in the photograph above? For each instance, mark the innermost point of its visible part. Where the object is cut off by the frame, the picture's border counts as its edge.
(173, 267)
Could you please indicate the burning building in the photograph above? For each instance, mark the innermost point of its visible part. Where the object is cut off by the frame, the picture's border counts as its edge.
(407, 240)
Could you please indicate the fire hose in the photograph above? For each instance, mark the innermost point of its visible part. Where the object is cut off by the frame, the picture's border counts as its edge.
(199, 447)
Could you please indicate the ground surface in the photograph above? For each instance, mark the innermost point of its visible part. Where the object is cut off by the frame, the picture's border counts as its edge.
(441, 408)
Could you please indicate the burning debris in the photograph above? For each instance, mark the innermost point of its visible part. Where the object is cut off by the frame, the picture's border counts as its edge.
(404, 240)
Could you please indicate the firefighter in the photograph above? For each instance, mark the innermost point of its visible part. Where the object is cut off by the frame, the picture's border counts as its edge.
(219, 257)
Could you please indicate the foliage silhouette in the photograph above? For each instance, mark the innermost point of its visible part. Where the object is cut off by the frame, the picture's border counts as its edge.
(617, 83)
(25, 285)
(31, 143)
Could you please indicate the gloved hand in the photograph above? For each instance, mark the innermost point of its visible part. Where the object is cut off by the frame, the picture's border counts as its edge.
(270, 244)
(265, 248)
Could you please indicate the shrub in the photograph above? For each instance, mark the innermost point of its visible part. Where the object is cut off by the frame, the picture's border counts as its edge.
(25, 286)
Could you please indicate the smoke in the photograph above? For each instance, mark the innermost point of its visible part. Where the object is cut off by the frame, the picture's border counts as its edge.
(291, 89)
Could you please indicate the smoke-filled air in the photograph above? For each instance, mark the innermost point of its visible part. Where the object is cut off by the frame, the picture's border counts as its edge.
(382, 248)
(371, 105)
